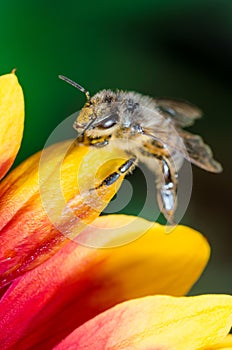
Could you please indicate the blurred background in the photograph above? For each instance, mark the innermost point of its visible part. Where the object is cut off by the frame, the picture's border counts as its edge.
(169, 48)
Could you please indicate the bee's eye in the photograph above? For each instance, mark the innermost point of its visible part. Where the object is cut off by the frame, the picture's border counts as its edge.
(108, 122)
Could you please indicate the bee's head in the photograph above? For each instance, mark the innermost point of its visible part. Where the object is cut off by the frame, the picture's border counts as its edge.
(99, 116)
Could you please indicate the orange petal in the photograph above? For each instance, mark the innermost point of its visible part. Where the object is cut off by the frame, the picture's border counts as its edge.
(159, 322)
(79, 282)
(11, 120)
(46, 200)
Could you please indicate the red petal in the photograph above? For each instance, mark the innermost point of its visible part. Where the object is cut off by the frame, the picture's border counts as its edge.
(158, 322)
(77, 283)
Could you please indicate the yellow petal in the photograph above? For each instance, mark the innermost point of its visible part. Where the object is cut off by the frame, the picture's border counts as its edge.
(47, 199)
(154, 261)
(11, 120)
(225, 344)
(158, 322)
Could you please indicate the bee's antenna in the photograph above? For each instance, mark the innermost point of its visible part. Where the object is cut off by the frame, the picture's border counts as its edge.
(77, 86)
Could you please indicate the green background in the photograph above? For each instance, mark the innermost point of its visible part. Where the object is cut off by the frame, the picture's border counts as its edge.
(162, 48)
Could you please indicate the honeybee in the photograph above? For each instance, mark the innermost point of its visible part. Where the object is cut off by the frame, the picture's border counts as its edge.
(149, 130)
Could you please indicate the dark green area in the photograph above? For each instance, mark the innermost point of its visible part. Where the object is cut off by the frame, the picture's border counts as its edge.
(161, 48)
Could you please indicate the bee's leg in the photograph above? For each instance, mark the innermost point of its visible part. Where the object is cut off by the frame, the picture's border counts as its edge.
(167, 189)
(101, 144)
(122, 170)
(98, 142)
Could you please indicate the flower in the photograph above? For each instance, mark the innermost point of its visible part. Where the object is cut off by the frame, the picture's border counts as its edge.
(70, 296)
(28, 237)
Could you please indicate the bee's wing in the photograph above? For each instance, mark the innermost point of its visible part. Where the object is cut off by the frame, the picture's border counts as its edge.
(190, 146)
(183, 113)
(199, 153)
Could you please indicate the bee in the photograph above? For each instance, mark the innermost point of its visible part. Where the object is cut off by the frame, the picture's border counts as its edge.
(149, 130)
